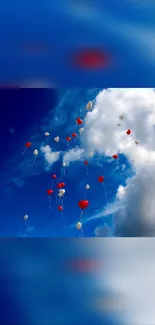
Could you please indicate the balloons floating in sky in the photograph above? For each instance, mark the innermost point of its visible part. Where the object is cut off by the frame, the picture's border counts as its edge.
(49, 192)
(74, 135)
(54, 176)
(46, 134)
(121, 117)
(115, 156)
(35, 152)
(91, 154)
(87, 187)
(81, 130)
(64, 164)
(59, 185)
(68, 139)
(128, 131)
(86, 162)
(91, 59)
(63, 184)
(119, 124)
(56, 139)
(136, 141)
(62, 191)
(60, 208)
(79, 121)
(26, 217)
(89, 105)
(28, 144)
(101, 179)
(83, 204)
(79, 225)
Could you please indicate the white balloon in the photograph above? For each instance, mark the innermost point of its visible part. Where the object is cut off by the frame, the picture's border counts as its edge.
(119, 124)
(26, 217)
(60, 194)
(46, 134)
(89, 105)
(81, 130)
(56, 139)
(62, 191)
(64, 164)
(91, 154)
(79, 225)
(136, 141)
(35, 152)
(87, 187)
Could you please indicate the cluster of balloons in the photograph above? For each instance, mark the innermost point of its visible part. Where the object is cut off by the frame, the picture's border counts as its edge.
(82, 204)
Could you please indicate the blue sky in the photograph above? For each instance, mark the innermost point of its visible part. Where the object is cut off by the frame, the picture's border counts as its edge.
(125, 29)
(28, 113)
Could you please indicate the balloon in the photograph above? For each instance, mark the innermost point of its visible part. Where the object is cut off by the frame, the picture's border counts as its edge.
(86, 162)
(63, 184)
(60, 194)
(115, 156)
(128, 132)
(74, 135)
(91, 154)
(79, 225)
(121, 117)
(68, 139)
(79, 121)
(101, 179)
(83, 204)
(46, 134)
(59, 185)
(62, 191)
(64, 164)
(91, 59)
(56, 139)
(136, 141)
(81, 130)
(54, 176)
(87, 187)
(35, 152)
(26, 217)
(28, 144)
(119, 124)
(49, 192)
(89, 105)
(60, 208)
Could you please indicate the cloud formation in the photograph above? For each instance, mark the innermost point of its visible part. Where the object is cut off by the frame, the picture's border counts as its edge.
(136, 215)
(72, 155)
(49, 155)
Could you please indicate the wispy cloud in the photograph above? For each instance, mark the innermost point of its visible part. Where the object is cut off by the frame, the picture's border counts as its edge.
(49, 155)
(72, 155)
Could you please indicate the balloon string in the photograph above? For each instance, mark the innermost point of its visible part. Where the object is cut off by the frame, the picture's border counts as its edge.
(81, 215)
(64, 220)
(105, 193)
(24, 151)
(86, 171)
(34, 161)
(51, 184)
(49, 198)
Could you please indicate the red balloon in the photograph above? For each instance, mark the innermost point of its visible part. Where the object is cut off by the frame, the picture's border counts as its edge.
(128, 132)
(86, 162)
(115, 156)
(54, 176)
(101, 179)
(63, 184)
(74, 135)
(91, 59)
(49, 192)
(59, 185)
(83, 204)
(28, 144)
(79, 121)
(68, 139)
(60, 208)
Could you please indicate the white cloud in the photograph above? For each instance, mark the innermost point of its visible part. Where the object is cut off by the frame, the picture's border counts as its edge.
(49, 155)
(136, 215)
(73, 155)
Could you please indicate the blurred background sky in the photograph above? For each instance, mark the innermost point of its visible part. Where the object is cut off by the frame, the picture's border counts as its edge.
(77, 43)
